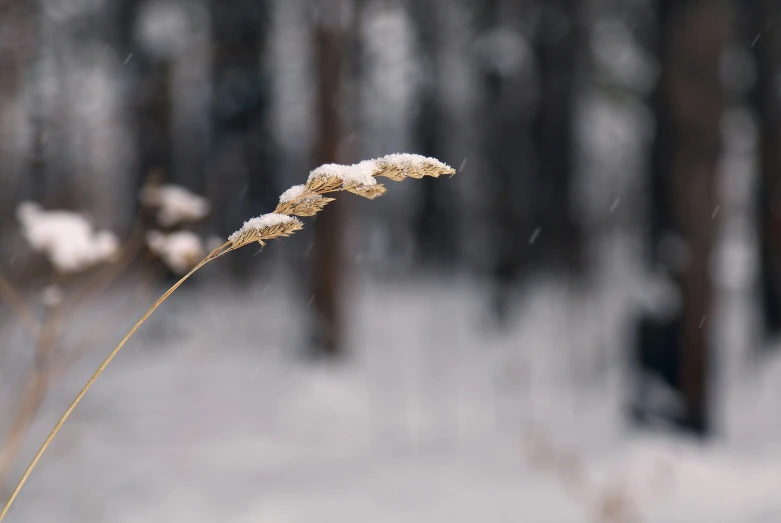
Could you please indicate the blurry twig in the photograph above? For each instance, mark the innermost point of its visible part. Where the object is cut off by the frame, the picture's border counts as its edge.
(612, 503)
(129, 250)
(47, 334)
(37, 383)
(91, 338)
(18, 306)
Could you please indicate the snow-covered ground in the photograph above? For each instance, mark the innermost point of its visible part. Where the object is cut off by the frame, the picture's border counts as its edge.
(210, 415)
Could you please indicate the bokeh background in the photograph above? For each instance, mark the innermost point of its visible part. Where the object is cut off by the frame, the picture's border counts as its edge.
(580, 325)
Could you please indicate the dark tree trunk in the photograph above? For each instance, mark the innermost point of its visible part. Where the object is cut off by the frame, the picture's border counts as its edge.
(18, 19)
(327, 255)
(241, 175)
(434, 229)
(154, 118)
(765, 41)
(689, 103)
(20, 71)
(150, 88)
(506, 149)
(556, 48)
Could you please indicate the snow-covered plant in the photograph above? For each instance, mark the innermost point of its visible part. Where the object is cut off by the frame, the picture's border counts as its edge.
(180, 250)
(301, 200)
(174, 204)
(66, 238)
(71, 244)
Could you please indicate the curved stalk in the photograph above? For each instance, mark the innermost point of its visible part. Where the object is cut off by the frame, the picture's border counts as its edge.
(212, 256)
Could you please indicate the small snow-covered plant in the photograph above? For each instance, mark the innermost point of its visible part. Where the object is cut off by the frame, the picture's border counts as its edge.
(71, 245)
(66, 238)
(180, 250)
(174, 204)
(301, 200)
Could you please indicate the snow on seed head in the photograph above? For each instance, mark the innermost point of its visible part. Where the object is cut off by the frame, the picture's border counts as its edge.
(299, 201)
(357, 178)
(308, 199)
(360, 178)
(400, 166)
(265, 227)
(291, 194)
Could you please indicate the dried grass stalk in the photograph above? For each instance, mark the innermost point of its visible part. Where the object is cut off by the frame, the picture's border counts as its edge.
(302, 200)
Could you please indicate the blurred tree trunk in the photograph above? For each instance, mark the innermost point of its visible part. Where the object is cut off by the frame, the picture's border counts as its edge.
(327, 255)
(689, 103)
(19, 22)
(154, 112)
(434, 229)
(150, 102)
(242, 181)
(765, 41)
(509, 92)
(556, 49)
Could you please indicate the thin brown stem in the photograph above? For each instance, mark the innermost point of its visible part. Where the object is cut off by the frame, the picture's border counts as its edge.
(18, 306)
(103, 279)
(37, 383)
(73, 353)
(225, 248)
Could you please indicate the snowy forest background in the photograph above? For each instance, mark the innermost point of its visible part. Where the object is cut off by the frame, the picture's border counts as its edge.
(581, 325)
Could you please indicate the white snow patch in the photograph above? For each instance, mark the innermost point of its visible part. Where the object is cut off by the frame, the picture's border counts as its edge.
(292, 193)
(412, 161)
(66, 238)
(180, 250)
(259, 223)
(361, 174)
(175, 204)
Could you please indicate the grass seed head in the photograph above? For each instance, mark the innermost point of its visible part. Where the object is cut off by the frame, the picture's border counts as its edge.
(308, 199)
(265, 227)
(299, 201)
(400, 166)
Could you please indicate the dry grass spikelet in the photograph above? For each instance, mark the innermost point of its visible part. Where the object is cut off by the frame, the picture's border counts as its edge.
(265, 227)
(367, 191)
(400, 166)
(325, 178)
(300, 201)
(308, 206)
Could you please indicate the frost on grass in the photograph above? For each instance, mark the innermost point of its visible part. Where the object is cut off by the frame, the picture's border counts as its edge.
(308, 199)
(180, 251)
(66, 238)
(400, 166)
(298, 201)
(174, 204)
(291, 194)
(360, 178)
(357, 178)
(265, 227)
